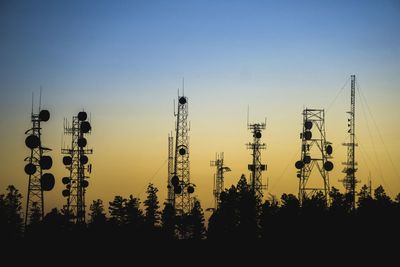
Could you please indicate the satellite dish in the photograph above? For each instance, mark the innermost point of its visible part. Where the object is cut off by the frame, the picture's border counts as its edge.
(85, 183)
(298, 175)
(44, 115)
(307, 159)
(177, 190)
(66, 193)
(84, 159)
(82, 116)
(30, 168)
(45, 162)
(190, 189)
(175, 180)
(349, 171)
(82, 142)
(32, 141)
(85, 127)
(182, 100)
(328, 166)
(308, 125)
(67, 160)
(329, 149)
(257, 134)
(182, 151)
(65, 180)
(47, 181)
(299, 164)
(307, 135)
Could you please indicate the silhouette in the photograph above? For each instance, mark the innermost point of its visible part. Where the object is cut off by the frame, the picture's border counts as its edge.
(240, 217)
(11, 214)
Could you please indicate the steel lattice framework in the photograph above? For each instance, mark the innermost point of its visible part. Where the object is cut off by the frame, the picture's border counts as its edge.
(256, 167)
(350, 181)
(170, 198)
(218, 177)
(76, 162)
(36, 163)
(315, 154)
(183, 188)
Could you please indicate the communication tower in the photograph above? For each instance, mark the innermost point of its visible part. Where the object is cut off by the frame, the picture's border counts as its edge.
(316, 153)
(182, 187)
(256, 167)
(37, 163)
(350, 181)
(218, 177)
(76, 161)
(170, 198)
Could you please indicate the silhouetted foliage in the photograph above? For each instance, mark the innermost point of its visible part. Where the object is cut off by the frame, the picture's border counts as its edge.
(97, 214)
(240, 217)
(11, 213)
(168, 222)
(152, 215)
(198, 229)
(117, 209)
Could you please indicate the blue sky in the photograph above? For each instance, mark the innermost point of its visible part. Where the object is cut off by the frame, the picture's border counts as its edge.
(124, 60)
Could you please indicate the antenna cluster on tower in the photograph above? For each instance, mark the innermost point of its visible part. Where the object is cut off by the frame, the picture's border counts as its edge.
(76, 162)
(316, 153)
(37, 163)
(218, 177)
(256, 167)
(179, 181)
(350, 181)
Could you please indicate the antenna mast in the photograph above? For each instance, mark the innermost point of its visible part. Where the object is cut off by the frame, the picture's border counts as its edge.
(180, 181)
(256, 167)
(315, 152)
(76, 162)
(37, 163)
(218, 177)
(350, 181)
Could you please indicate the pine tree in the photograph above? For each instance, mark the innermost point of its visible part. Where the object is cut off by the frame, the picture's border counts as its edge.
(198, 229)
(134, 215)
(168, 221)
(117, 210)
(11, 212)
(97, 214)
(152, 214)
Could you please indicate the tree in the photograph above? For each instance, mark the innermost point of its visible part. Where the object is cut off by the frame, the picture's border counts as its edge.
(197, 222)
(249, 210)
(168, 221)
(269, 213)
(11, 212)
(152, 215)
(134, 215)
(97, 214)
(117, 210)
(340, 203)
(365, 200)
(35, 215)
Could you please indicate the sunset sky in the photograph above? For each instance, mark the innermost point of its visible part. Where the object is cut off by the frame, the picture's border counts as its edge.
(123, 62)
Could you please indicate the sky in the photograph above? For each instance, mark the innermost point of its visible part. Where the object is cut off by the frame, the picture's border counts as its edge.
(123, 62)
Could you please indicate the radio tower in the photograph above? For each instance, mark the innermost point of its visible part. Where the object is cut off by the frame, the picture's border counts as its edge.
(180, 181)
(37, 163)
(218, 177)
(256, 167)
(350, 181)
(170, 198)
(76, 162)
(315, 154)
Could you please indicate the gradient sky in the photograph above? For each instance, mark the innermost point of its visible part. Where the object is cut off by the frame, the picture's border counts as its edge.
(123, 61)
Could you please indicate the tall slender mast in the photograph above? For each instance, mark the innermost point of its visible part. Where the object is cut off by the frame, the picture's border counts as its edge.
(350, 181)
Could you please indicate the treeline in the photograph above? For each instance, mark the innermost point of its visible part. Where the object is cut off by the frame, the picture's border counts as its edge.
(241, 216)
